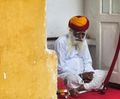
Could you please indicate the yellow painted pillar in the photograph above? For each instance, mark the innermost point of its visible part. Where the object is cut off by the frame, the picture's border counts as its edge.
(27, 69)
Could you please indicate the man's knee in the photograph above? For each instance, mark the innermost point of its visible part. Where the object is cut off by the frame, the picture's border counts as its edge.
(98, 79)
(100, 74)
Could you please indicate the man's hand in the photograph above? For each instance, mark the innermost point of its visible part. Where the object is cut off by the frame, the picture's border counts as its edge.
(87, 76)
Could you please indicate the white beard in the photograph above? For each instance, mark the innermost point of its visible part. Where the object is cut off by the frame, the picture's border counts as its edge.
(74, 44)
(78, 44)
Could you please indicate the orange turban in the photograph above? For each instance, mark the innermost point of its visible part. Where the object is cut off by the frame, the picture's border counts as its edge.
(79, 23)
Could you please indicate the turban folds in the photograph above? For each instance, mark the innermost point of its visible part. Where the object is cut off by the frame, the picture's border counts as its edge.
(79, 23)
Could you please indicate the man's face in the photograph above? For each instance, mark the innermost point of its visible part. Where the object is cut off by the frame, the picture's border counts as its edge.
(79, 36)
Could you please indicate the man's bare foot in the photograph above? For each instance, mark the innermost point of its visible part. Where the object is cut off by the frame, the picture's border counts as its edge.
(81, 88)
(74, 92)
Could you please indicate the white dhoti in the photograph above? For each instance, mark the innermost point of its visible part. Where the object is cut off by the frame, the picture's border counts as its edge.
(75, 81)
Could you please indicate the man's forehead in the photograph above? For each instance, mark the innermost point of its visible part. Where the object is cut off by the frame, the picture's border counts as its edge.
(78, 31)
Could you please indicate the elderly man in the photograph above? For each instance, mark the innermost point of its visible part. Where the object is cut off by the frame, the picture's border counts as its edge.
(74, 59)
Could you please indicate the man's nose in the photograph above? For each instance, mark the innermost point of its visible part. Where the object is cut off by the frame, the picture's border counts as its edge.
(80, 36)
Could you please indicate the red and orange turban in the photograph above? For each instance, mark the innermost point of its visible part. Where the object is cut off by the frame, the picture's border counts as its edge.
(79, 23)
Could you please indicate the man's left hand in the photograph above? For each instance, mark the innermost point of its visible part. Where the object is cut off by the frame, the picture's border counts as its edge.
(87, 76)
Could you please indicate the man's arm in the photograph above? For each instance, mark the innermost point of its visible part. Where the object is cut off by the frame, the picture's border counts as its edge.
(87, 60)
(88, 72)
(60, 51)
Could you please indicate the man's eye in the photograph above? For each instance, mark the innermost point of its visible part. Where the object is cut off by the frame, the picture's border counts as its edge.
(83, 34)
(76, 33)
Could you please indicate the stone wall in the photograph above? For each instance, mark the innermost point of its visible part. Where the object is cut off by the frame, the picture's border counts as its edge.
(27, 68)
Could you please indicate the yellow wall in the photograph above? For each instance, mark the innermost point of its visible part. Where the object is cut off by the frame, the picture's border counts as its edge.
(27, 70)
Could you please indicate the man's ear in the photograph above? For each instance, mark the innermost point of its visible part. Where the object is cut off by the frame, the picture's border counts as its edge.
(70, 30)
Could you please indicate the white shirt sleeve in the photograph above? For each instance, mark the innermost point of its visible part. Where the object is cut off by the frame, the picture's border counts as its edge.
(87, 59)
(60, 51)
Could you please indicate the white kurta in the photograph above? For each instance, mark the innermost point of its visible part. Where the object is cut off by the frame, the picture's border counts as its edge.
(72, 62)
(75, 61)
